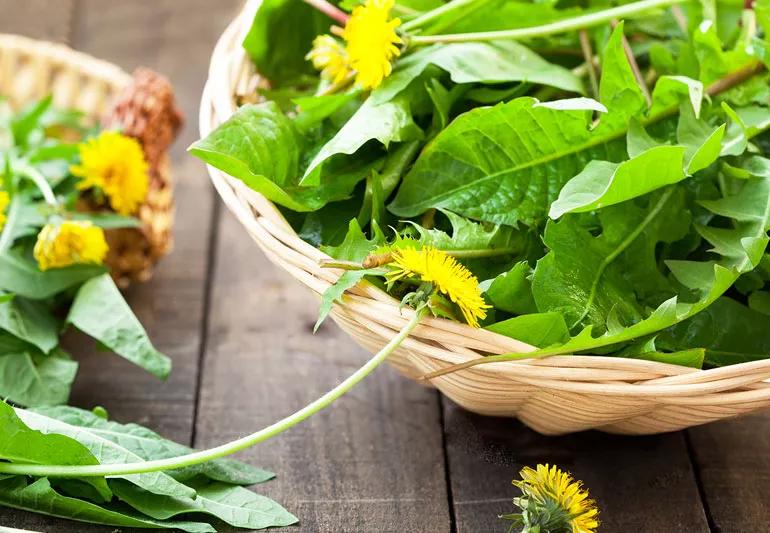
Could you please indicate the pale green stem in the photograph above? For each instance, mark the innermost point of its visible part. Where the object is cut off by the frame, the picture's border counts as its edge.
(433, 14)
(481, 252)
(40, 182)
(225, 449)
(619, 249)
(553, 28)
(6, 235)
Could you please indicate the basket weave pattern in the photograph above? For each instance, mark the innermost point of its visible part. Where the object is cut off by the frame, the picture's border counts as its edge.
(554, 395)
(141, 105)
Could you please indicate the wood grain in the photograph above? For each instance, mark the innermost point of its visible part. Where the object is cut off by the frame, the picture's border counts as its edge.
(171, 305)
(371, 462)
(733, 460)
(40, 19)
(643, 484)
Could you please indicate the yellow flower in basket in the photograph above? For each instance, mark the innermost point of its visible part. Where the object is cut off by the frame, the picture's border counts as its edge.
(371, 42)
(329, 56)
(114, 164)
(4, 201)
(68, 243)
(448, 276)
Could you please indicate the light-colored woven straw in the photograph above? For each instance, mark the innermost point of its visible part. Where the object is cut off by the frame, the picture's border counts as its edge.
(31, 70)
(554, 395)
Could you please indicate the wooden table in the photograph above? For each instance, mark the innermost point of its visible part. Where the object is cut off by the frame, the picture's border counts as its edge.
(391, 455)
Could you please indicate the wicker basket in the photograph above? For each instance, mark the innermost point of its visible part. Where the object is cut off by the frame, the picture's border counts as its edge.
(554, 395)
(141, 105)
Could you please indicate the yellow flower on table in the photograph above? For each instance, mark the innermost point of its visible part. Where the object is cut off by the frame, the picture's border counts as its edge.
(329, 56)
(68, 243)
(549, 484)
(447, 275)
(115, 165)
(4, 201)
(371, 40)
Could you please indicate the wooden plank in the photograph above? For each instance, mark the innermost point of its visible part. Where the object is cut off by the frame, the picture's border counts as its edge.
(733, 461)
(40, 19)
(151, 33)
(371, 462)
(640, 483)
(175, 38)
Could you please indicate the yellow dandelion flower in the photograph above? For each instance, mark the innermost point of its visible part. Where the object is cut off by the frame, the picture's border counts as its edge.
(447, 275)
(549, 483)
(4, 201)
(329, 56)
(371, 42)
(114, 164)
(68, 243)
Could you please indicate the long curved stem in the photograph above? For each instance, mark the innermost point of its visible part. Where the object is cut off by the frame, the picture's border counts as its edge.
(40, 182)
(561, 26)
(433, 14)
(230, 447)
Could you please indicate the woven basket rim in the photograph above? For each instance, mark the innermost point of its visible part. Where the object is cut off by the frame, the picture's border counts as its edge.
(442, 341)
(59, 53)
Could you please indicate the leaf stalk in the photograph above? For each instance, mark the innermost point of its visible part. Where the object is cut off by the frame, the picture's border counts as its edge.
(70, 471)
(553, 28)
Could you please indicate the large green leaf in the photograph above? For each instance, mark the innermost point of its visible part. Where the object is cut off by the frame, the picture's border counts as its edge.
(281, 35)
(478, 62)
(23, 277)
(387, 115)
(30, 321)
(150, 446)
(22, 444)
(33, 380)
(602, 183)
(708, 280)
(107, 452)
(507, 163)
(504, 164)
(511, 291)
(100, 311)
(260, 146)
(40, 497)
(386, 122)
(236, 506)
(537, 329)
(729, 331)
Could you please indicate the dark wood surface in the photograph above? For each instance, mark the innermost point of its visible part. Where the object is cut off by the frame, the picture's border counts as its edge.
(391, 455)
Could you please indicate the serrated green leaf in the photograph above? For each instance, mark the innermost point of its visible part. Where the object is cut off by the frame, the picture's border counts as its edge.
(729, 332)
(148, 445)
(107, 452)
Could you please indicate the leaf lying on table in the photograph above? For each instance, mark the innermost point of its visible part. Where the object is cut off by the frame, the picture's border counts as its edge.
(23, 444)
(100, 311)
(108, 452)
(40, 497)
(20, 275)
(28, 377)
(71, 436)
(149, 445)
(236, 506)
